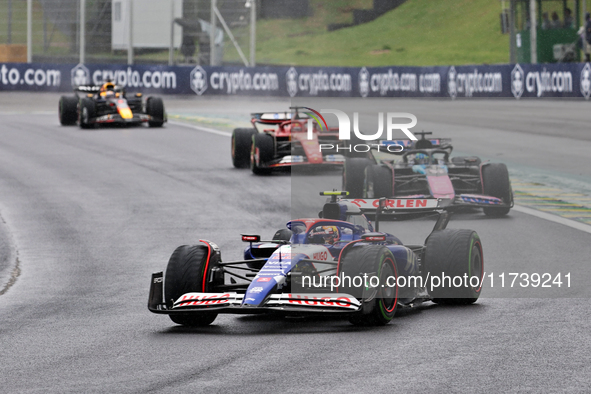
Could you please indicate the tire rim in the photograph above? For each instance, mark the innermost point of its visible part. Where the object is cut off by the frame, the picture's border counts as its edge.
(476, 266)
(84, 115)
(388, 295)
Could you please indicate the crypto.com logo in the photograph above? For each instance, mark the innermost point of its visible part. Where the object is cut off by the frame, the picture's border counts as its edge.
(345, 128)
(80, 75)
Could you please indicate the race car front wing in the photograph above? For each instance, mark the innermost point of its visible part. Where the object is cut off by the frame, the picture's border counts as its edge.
(232, 302)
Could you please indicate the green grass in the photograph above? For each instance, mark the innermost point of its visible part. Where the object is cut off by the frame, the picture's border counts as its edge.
(420, 32)
(59, 43)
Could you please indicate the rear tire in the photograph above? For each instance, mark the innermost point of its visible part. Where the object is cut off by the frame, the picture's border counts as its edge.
(185, 273)
(264, 147)
(379, 303)
(241, 147)
(496, 183)
(283, 234)
(87, 113)
(155, 108)
(378, 182)
(354, 176)
(68, 110)
(454, 253)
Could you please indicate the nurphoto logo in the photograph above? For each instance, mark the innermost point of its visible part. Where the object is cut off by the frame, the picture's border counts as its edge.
(392, 120)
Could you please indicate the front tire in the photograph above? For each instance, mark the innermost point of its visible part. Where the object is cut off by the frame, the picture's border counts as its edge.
(262, 152)
(87, 113)
(454, 253)
(189, 271)
(496, 183)
(354, 176)
(155, 108)
(241, 147)
(68, 110)
(379, 302)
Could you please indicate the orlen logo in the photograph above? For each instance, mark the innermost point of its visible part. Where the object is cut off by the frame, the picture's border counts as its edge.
(345, 129)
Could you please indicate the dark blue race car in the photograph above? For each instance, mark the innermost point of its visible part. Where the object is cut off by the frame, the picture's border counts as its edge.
(336, 264)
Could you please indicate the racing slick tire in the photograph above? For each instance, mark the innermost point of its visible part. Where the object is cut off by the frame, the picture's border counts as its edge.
(87, 112)
(453, 253)
(354, 176)
(155, 108)
(241, 146)
(68, 110)
(378, 182)
(264, 147)
(187, 268)
(283, 234)
(496, 183)
(380, 299)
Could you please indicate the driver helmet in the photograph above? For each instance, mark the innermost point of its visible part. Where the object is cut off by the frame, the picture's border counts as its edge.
(421, 158)
(328, 234)
(107, 86)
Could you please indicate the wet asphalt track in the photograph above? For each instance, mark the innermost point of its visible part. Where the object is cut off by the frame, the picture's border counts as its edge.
(93, 213)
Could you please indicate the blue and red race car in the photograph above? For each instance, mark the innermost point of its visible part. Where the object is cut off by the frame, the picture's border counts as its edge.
(281, 140)
(336, 264)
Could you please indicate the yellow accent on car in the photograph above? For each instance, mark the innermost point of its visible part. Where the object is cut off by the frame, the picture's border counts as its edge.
(125, 113)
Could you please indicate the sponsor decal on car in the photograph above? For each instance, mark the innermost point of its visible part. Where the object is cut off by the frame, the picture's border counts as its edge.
(323, 256)
(194, 299)
(320, 301)
(406, 203)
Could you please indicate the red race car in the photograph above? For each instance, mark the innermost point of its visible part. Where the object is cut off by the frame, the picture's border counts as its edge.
(285, 139)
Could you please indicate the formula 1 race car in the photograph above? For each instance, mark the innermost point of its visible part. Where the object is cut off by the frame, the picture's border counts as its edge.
(336, 264)
(109, 104)
(282, 140)
(424, 168)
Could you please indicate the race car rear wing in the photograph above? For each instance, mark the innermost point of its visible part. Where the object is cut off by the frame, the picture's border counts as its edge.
(390, 208)
(88, 88)
(277, 117)
(404, 209)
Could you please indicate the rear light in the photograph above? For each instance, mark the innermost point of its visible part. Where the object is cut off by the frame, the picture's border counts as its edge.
(373, 237)
(251, 238)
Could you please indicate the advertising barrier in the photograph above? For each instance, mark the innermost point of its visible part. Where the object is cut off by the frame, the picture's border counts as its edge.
(507, 80)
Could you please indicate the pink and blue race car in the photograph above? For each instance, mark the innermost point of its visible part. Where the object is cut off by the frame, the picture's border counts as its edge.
(425, 168)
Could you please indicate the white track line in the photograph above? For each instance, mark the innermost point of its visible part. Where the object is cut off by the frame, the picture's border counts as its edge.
(201, 128)
(528, 211)
(553, 218)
